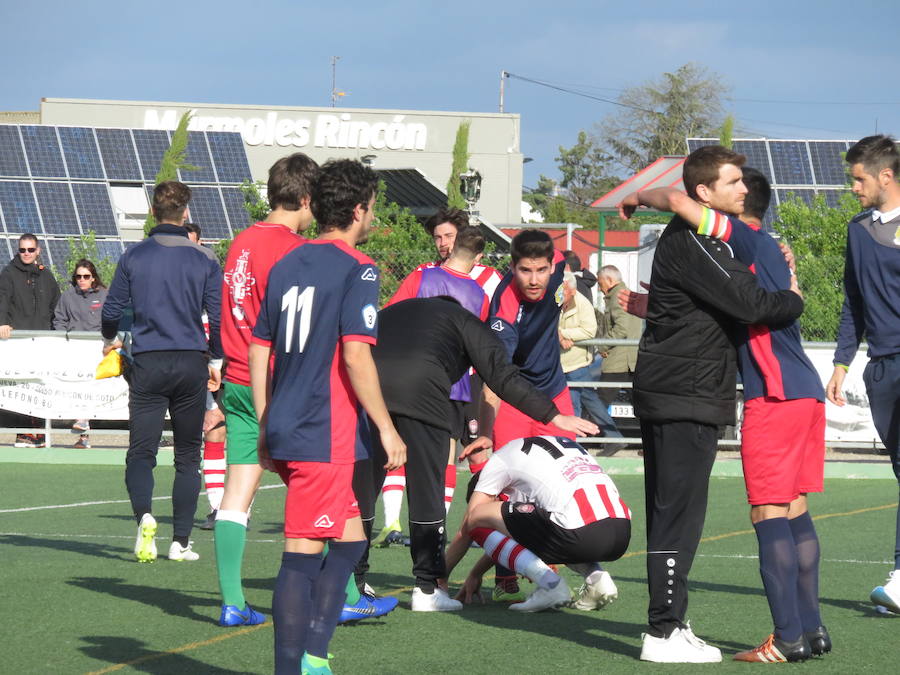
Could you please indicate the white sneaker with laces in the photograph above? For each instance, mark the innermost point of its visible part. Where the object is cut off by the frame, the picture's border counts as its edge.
(544, 598)
(598, 594)
(145, 544)
(682, 646)
(438, 601)
(888, 595)
(183, 554)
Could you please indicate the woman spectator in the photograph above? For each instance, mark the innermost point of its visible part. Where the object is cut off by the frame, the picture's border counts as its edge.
(79, 309)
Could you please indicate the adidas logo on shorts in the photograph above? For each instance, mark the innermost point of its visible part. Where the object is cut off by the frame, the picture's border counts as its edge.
(324, 521)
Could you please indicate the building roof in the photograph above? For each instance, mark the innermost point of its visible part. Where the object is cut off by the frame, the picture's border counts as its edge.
(584, 242)
(410, 188)
(664, 172)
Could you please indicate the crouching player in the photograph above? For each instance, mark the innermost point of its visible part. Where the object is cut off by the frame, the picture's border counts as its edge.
(560, 507)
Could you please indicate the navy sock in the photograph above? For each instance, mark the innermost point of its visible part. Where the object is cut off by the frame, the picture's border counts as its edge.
(807, 544)
(778, 569)
(330, 593)
(292, 608)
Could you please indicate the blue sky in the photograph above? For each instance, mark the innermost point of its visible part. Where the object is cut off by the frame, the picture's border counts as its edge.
(796, 68)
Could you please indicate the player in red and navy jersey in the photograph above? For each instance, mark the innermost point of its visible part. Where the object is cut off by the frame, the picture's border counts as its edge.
(783, 430)
(250, 258)
(540, 500)
(319, 319)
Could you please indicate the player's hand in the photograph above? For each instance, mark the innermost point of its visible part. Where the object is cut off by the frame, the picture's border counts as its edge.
(480, 443)
(633, 302)
(788, 256)
(5, 332)
(215, 379)
(212, 419)
(833, 390)
(262, 451)
(471, 589)
(394, 448)
(108, 348)
(628, 206)
(576, 425)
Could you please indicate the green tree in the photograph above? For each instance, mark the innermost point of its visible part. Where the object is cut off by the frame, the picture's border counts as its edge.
(459, 166)
(726, 132)
(540, 197)
(256, 206)
(817, 234)
(173, 159)
(85, 246)
(585, 170)
(659, 115)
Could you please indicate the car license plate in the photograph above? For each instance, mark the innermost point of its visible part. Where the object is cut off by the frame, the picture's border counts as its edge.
(621, 410)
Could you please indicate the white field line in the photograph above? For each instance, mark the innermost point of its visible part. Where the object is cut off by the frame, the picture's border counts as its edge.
(739, 556)
(110, 501)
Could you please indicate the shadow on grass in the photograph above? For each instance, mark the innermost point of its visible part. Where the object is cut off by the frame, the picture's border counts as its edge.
(170, 601)
(121, 650)
(104, 550)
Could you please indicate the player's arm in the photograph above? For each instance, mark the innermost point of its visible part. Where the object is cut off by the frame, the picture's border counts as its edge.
(212, 303)
(117, 298)
(261, 390)
(662, 199)
(363, 375)
(850, 331)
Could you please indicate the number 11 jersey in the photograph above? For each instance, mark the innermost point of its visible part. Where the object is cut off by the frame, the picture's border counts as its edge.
(319, 296)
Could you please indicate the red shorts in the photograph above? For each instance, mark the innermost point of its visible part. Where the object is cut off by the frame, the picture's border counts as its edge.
(512, 423)
(319, 499)
(782, 449)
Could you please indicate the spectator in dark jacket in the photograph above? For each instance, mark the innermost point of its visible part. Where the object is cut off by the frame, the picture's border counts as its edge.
(79, 309)
(585, 279)
(28, 296)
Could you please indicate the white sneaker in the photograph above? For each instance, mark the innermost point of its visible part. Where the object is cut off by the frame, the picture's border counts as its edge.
(183, 554)
(145, 545)
(438, 601)
(682, 646)
(544, 598)
(596, 595)
(889, 594)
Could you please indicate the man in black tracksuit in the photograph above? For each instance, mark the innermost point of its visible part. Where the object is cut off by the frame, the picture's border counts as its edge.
(170, 281)
(425, 345)
(684, 388)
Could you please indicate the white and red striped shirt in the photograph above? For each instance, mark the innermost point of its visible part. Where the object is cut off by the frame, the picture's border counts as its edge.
(557, 475)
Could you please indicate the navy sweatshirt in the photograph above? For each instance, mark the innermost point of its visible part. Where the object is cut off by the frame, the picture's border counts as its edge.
(871, 289)
(169, 281)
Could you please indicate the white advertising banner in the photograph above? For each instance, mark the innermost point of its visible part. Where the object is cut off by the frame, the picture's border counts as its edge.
(53, 377)
(853, 421)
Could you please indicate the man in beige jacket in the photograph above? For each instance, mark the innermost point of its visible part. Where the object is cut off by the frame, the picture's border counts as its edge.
(618, 361)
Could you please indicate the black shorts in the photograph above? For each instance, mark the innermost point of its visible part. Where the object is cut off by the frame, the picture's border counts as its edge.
(600, 541)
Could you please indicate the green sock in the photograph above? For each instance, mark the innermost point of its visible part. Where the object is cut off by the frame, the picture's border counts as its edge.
(352, 591)
(230, 539)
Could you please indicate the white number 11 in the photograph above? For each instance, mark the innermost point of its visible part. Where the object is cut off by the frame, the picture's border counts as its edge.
(294, 302)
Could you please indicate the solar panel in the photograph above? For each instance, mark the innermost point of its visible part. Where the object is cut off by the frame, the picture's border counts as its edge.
(805, 195)
(832, 197)
(42, 150)
(208, 212)
(57, 210)
(109, 248)
(56, 253)
(694, 143)
(80, 151)
(828, 162)
(791, 162)
(94, 208)
(151, 146)
(6, 249)
(756, 154)
(197, 154)
(20, 212)
(118, 155)
(12, 156)
(228, 153)
(234, 207)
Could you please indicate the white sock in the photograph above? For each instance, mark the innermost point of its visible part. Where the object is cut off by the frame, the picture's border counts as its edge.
(513, 555)
(238, 517)
(392, 496)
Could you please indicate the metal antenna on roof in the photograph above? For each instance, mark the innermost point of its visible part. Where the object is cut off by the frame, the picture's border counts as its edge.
(334, 92)
(503, 76)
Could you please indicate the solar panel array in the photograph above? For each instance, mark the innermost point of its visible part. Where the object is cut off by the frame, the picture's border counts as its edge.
(55, 182)
(793, 167)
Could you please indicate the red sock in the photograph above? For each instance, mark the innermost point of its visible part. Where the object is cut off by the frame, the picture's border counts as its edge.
(449, 485)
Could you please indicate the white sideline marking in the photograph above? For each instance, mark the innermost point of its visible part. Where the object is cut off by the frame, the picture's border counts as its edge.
(828, 560)
(110, 501)
(108, 536)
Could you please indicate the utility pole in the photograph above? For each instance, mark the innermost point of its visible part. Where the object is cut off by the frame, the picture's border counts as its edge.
(334, 92)
(503, 76)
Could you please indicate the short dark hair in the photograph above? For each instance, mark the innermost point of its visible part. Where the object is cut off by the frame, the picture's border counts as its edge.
(339, 187)
(876, 153)
(456, 217)
(572, 260)
(192, 227)
(531, 244)
(702, 166)
(97, 282)
(170, 199)
(759, 193)
(469, 240)
(28, 236)
(291, 181)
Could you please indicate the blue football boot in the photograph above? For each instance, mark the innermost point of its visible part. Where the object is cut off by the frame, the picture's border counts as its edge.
(232, 616)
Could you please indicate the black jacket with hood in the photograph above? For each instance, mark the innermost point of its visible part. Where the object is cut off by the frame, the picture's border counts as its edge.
(28, 296)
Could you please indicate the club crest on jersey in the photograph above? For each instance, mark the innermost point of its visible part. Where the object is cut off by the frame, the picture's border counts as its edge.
(369, 315)
(558, 296)
(897, 237)
(324, 522)
(525, 508)
(239, 281)
(497, 325)
(369, 275)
